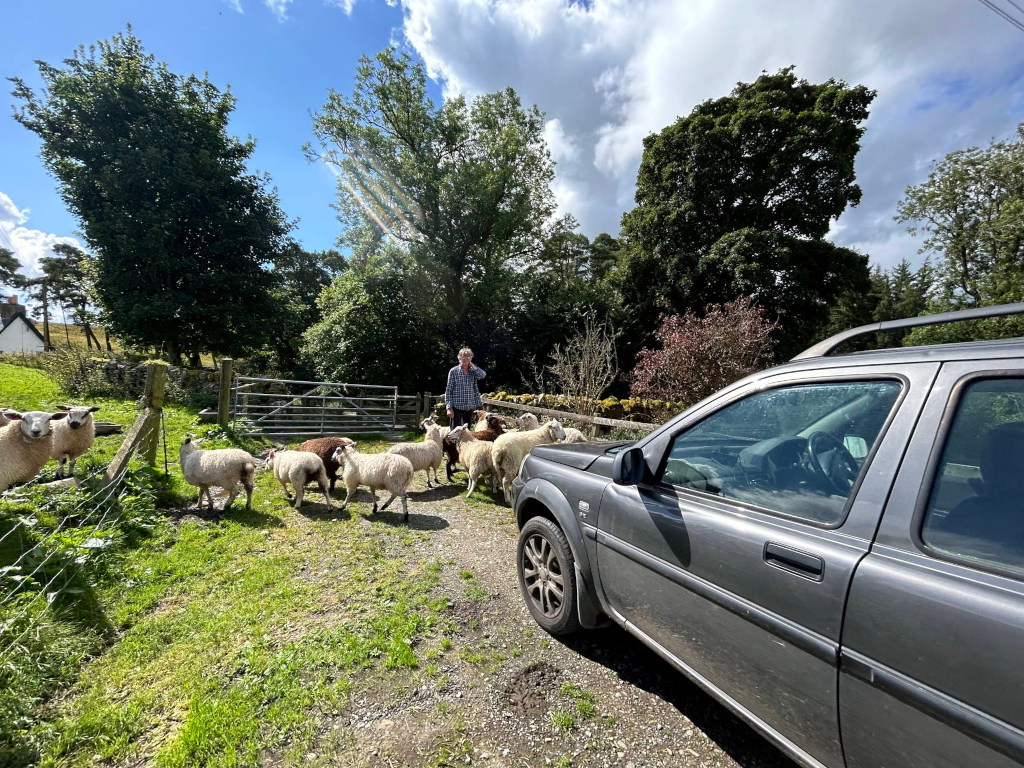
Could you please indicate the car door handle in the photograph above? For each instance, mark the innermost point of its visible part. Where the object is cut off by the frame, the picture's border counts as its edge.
(794, 561)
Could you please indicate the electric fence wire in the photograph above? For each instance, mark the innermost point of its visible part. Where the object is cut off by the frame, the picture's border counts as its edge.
(113, 487)
(84, 501)
(1018, 23)
(44, 591)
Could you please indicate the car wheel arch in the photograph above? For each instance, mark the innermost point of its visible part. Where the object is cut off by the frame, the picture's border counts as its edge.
(542, 499)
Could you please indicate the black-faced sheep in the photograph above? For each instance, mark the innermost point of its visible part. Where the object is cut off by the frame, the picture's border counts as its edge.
(222, 467)
(73, 436)
(25, 445)
(375, 471)
(298, 468)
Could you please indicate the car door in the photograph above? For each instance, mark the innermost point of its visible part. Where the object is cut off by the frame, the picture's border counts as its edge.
(933, 643)
(729, 562)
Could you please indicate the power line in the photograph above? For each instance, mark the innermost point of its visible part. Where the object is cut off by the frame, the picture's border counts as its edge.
(1005, 14)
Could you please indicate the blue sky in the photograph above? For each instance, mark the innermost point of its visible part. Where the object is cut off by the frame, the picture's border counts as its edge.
(949, 74)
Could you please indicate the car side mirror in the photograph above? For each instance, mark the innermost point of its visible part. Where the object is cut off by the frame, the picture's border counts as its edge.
(628, 467)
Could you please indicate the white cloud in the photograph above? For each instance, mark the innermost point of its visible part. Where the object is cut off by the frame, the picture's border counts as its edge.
(949, 74)
(29, 245)
(235, 5)
(278, 7)
(347, 5)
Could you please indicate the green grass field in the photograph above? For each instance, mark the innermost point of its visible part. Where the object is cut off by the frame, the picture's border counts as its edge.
(206, 640)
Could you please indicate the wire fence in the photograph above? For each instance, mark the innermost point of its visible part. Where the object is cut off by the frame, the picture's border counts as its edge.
(45, 552)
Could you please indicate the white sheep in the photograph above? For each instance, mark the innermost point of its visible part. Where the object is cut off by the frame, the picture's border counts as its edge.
(475, 456)
(527, 422)
(572, 435)
(299, 468)
(426, 455)
(376, 471)
(25, 445)
(73, 436)
(222, 467)
(510, 449)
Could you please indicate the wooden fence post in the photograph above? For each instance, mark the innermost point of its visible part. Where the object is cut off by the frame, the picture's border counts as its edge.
(224, 395)
(153, 400)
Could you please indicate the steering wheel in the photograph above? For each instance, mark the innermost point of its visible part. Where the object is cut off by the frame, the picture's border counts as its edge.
(829, 462)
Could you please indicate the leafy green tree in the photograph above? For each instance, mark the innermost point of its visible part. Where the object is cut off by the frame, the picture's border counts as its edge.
(9, 266)
(182, 233)
(371, 333)
(68, 276)
(464, 187)
(797, 282)
(303, 275)
(971, 210)
(776, 158)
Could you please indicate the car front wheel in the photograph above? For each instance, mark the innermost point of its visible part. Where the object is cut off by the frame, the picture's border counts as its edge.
(547, 576)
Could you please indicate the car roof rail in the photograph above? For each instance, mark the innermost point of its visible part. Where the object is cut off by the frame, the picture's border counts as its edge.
(823, 348)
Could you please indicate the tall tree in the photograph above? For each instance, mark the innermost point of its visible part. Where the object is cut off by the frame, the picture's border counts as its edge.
(9, 266)
(464, 187)
(773, 162)
(971, 210)
(181, 231)
(69, 282)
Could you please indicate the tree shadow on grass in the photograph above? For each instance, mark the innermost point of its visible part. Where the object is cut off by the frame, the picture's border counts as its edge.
(633, 662)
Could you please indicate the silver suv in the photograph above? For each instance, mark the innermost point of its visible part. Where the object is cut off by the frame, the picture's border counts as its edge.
(833, 548)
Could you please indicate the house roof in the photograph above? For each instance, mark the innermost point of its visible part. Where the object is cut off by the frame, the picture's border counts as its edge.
(7, 321)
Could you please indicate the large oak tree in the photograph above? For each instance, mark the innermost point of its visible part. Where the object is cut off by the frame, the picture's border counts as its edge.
(736, 198)
(181, 231)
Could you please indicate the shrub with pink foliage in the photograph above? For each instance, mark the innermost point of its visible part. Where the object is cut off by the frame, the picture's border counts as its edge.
(700, 355)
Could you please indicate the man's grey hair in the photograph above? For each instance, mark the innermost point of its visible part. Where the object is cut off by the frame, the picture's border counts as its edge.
(465, 352)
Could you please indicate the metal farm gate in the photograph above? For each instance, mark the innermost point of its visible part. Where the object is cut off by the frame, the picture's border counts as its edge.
(286, 408)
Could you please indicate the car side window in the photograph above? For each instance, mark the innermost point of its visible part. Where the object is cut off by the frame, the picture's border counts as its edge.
(975, 508)
(794, 450)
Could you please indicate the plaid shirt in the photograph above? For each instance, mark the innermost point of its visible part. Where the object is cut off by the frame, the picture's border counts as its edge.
(462, 392)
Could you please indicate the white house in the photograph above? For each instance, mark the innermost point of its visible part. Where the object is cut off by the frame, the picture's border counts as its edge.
(17, 333)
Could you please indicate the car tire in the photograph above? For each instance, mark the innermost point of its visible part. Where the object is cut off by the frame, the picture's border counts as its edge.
(547, 576)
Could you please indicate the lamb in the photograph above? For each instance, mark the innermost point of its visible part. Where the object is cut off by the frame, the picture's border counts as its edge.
(426, 455)
(223, 467)
(510, 449)
(475, 455)
(25, 445)
(73, 436)
(495, 425)
(299, 468)
(378, 471)
(572, 435)
(324, 447)
(527, 422)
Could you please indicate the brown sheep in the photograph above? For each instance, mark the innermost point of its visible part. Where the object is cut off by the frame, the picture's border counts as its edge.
(324, 447)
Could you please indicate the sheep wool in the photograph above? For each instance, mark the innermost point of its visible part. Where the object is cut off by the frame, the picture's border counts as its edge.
(298, 468)
(475, 456)
(511, 448)
(221, 467)
(377, 471)
(324, 447)
(25, 445)
(424, 456)
(73, 436)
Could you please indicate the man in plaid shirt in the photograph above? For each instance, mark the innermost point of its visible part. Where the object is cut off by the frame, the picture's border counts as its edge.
(461, 396)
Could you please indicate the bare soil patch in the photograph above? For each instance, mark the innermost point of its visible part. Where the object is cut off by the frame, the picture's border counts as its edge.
(501, 692)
